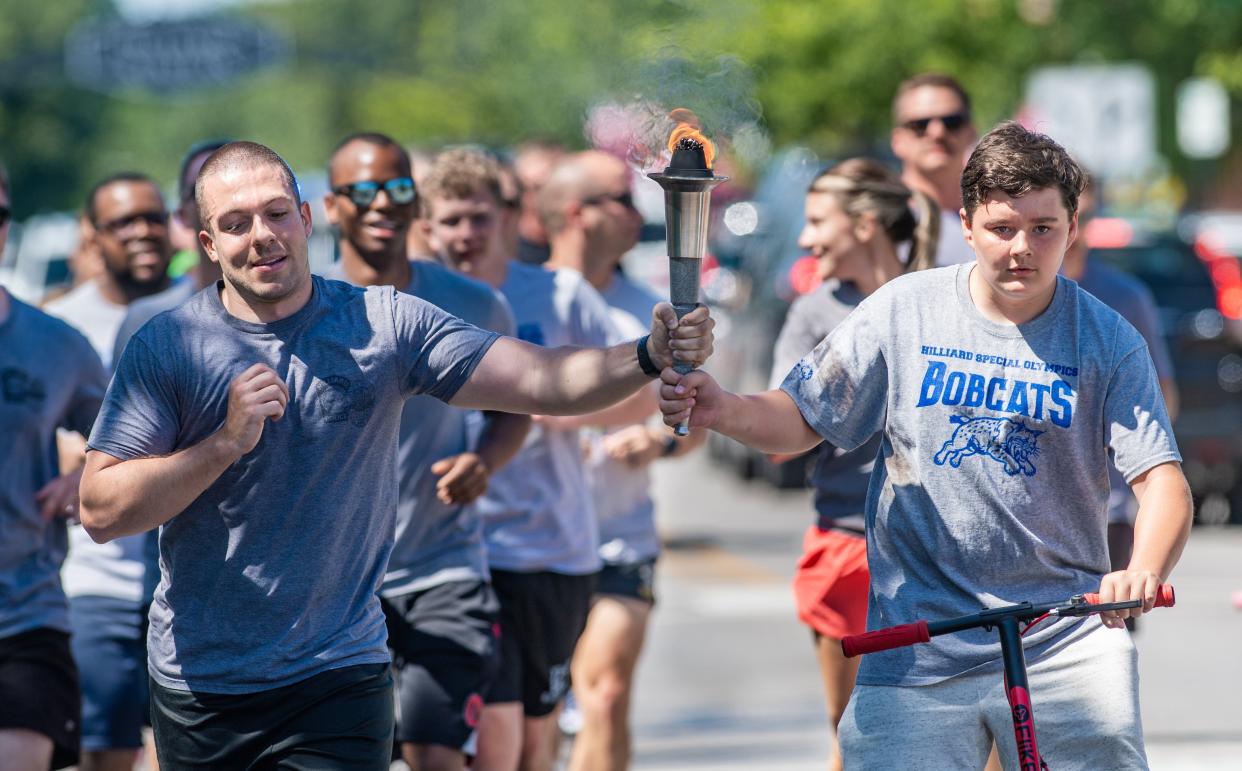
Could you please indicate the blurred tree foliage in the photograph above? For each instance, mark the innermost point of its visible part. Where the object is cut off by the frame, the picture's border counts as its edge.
(436, 71)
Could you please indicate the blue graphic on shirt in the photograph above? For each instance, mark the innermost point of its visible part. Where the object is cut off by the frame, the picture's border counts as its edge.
(953, 388)
(804, 370)
(1007, 441)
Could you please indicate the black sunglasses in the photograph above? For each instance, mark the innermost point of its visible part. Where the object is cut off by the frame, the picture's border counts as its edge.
(400, 191)
(626, 199)
(950, 122)
(155, 219)
(5, 213)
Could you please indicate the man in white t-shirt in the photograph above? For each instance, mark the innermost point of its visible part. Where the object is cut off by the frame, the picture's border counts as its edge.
(110, 585)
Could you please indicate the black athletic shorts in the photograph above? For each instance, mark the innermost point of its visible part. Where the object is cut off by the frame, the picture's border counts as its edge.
(635, 580)
(39, 690)
(339, 719)
(444, 647)
(542, 615)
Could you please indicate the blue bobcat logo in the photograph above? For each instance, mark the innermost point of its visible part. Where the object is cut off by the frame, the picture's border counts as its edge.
(1004, 440)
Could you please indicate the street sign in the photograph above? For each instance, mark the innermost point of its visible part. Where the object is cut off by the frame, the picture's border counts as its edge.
(1202, 118)
(1104, 114)
(169, 55)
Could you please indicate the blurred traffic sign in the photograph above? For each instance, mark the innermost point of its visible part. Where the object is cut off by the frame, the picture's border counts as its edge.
(1202, 118)
(169, 55)
(1104, 114)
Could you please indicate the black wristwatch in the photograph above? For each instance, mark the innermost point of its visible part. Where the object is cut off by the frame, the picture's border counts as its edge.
(644, 359)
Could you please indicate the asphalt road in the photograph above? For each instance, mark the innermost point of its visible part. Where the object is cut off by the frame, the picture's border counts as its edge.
(728, 680)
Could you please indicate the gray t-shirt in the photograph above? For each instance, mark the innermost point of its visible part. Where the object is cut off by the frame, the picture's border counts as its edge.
(1127, 295)
(271, 575)
(622, 494)
(50, 378)
(839, 478)
(537, 512)
(993, 484)
(118, 569)
(142, 310)
(437, 542)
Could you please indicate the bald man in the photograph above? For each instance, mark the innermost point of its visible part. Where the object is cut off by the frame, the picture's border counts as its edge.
(256, 426)
(591, 223)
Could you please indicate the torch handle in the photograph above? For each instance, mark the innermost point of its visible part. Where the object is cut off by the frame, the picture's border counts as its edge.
(683, 428)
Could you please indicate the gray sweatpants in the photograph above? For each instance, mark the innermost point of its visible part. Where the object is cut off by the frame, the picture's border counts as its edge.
(1085, 696)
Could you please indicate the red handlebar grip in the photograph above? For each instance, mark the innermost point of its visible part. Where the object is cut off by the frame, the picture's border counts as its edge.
(883, 639)
(1164, 597)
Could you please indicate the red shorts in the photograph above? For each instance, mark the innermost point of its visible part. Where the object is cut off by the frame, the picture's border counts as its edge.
(831, 583)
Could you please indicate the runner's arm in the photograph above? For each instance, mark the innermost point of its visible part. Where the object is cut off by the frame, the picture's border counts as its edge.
(1160, 532)
(769, 421)
(124, 497)
(464, 477)
(514, 376)
(502, 436)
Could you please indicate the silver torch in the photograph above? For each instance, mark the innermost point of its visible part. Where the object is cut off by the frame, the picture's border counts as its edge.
(687, 181)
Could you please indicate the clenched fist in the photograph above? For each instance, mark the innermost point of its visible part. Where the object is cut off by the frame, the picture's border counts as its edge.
(687, 340)
(254, 396)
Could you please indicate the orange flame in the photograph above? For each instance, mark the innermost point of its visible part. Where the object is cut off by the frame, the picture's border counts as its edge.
(689, 128)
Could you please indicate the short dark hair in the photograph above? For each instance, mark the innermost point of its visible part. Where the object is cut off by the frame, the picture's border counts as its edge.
(371, 138)
(935, 80)
(185, 187)
(1016, 161)
(112, 179)
(243, 154)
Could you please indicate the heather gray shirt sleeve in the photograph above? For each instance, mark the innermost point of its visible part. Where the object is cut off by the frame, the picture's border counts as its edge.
(441, 349)
(796, 339)
(140, 414)
(1136, 423)
(841, 386)
(811, 318)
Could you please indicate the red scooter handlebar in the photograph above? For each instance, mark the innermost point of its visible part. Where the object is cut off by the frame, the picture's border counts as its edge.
(919, 631)
(883, 639)
(1164, 597)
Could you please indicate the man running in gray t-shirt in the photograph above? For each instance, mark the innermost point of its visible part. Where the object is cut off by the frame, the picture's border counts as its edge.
(257, 425)
(1000, 390)
(50, 378)
(438, 600)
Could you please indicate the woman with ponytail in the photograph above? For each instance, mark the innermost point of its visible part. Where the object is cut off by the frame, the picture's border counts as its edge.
(864, 228)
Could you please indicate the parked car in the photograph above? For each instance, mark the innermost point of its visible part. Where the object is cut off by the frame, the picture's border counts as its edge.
(36, 259)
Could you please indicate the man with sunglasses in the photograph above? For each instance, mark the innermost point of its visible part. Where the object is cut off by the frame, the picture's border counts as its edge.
(437, 596)
(932, 135)
(109, 585)
(129, 225)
